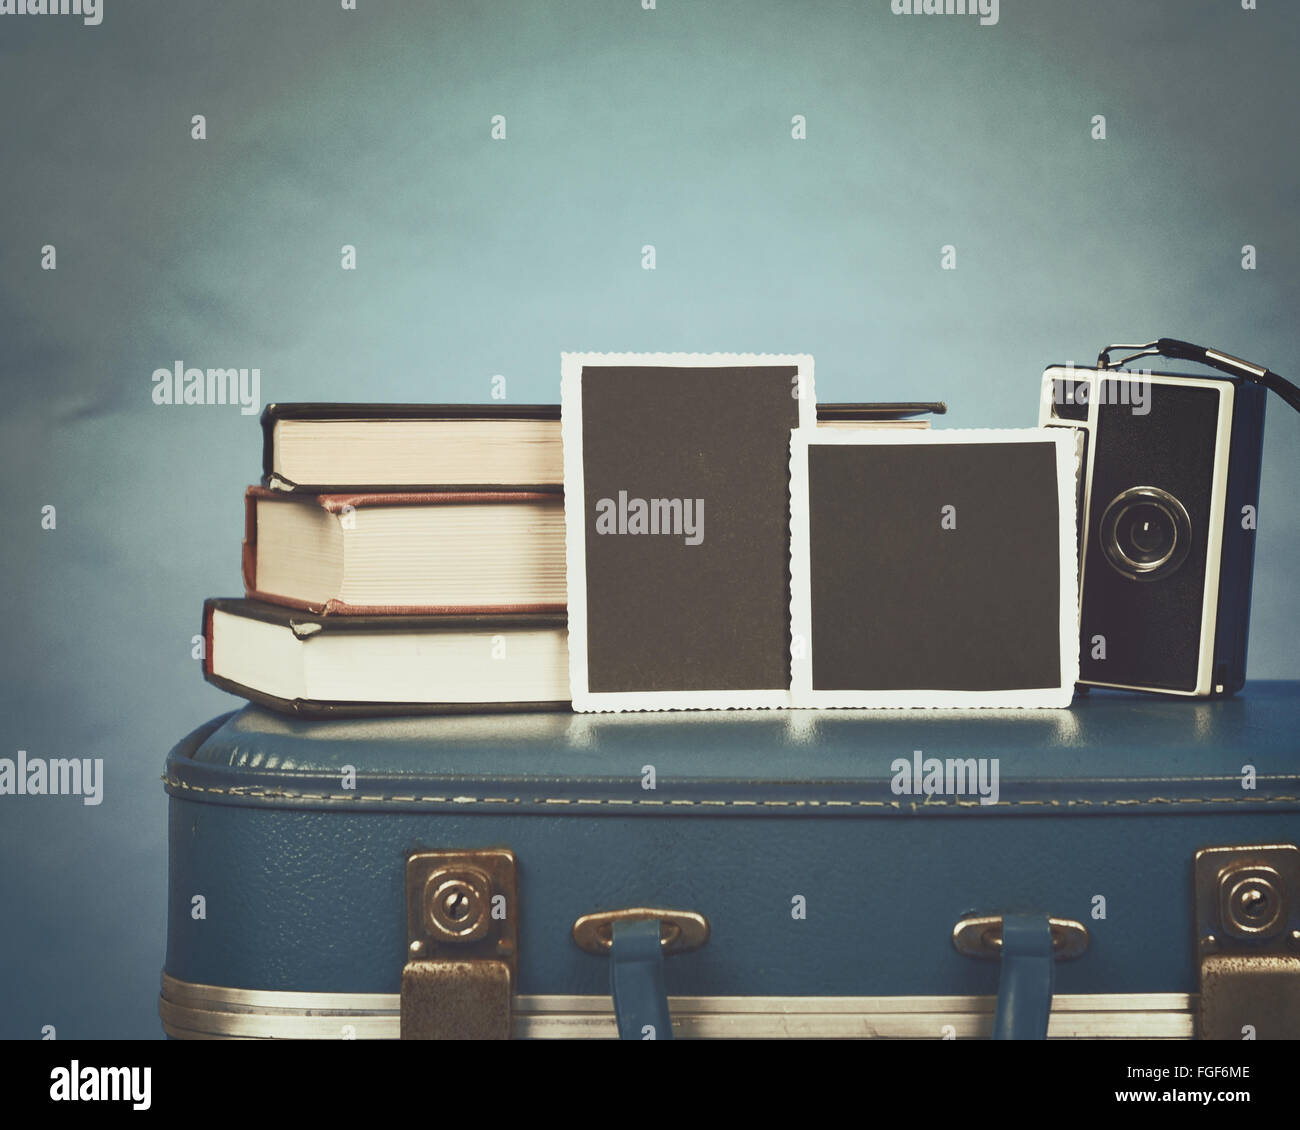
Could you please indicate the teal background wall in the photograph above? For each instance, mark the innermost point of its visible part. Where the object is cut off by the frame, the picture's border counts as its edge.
(478, 257)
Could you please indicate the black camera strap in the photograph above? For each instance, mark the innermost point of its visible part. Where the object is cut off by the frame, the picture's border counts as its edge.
(1216, 359)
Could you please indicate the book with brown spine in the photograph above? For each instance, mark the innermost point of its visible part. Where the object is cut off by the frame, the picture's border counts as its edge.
(409, 553)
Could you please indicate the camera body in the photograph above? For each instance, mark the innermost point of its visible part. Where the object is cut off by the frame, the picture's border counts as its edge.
(1168, 487)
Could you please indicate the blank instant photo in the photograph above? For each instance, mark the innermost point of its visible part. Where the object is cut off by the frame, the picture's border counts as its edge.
(933, 569)
(676, 486)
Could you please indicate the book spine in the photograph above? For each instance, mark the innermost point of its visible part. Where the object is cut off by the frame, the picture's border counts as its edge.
(269, 417)
(248, 549)
(207, 639)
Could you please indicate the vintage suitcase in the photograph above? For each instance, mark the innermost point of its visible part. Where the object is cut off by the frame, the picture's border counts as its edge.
(1130, 863)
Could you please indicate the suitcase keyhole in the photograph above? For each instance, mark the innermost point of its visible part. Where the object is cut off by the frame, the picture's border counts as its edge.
(456, 906)
(1254, 905)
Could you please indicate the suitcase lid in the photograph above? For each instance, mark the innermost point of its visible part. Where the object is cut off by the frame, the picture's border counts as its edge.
(1110, 752)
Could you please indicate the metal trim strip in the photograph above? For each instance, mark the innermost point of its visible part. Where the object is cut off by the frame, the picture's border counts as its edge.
(191, 1011)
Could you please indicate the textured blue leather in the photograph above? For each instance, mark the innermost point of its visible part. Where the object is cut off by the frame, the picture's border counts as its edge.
(303, 879)
(636, 980)
(1112, 751)
(1026, 978)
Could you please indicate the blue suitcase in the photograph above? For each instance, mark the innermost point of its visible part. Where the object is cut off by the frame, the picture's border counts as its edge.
(1127, 867)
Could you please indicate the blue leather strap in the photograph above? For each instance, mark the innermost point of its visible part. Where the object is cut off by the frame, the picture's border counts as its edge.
(1028, 973)
(636, 977)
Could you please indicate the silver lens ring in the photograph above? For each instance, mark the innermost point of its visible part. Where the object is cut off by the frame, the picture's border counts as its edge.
(1137, 566)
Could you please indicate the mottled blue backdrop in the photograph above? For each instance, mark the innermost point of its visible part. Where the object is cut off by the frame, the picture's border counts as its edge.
(477, 257)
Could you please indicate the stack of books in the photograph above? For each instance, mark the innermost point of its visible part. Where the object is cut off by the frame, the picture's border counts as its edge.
(409, 559)
(400, 559)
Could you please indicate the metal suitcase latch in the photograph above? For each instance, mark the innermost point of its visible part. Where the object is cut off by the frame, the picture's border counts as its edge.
(462, 945)
(1248, 933)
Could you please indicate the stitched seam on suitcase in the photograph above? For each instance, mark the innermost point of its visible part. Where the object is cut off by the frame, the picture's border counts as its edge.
(352, 798)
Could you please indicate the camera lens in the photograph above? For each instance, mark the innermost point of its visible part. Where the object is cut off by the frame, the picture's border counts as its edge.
(1145, 533)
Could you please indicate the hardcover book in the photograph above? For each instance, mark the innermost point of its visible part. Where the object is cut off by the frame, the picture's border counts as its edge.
(343, 666)
(323, 448)
(317, 448)
(408, 553)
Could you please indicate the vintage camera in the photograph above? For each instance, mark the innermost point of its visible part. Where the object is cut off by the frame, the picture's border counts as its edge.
(1168, 486)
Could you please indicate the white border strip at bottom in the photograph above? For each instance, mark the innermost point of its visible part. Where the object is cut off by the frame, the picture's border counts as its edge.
(192, 1011)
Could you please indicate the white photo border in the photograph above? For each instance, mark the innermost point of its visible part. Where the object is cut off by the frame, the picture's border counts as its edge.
(801, 638)
(575, 548)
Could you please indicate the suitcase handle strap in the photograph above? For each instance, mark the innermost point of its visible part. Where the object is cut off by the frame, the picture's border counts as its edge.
(1028, 946)
(636, 941)
(636, 981)
(1028, 978)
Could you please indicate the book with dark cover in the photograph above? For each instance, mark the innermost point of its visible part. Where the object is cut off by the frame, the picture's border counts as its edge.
(512, 662)
(376, 447)
(884, 411)
(500, 447)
